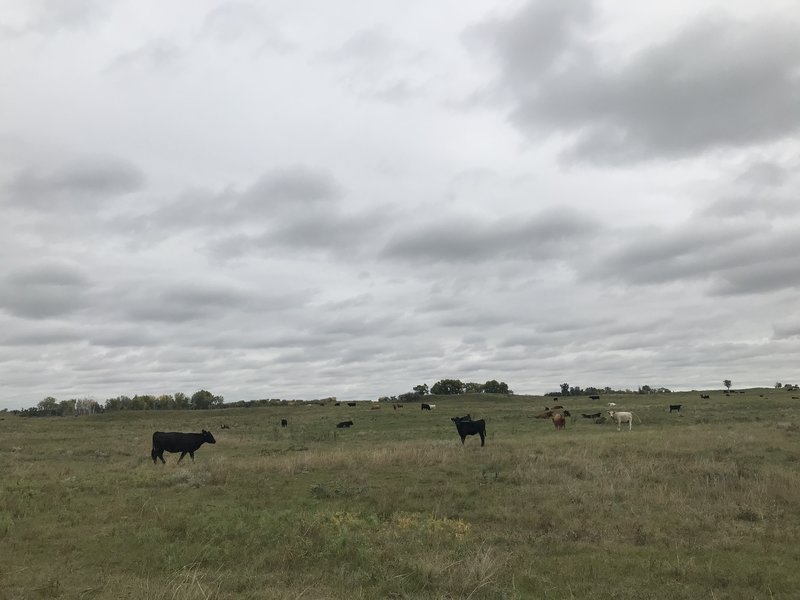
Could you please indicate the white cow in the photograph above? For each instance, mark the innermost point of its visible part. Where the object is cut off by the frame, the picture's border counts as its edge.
(612, 404)
(622, 417)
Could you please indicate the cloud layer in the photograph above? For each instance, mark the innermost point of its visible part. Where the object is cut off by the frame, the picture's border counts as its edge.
(301, 201)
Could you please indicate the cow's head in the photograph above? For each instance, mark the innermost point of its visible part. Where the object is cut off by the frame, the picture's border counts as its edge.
(208, 438)
(611, 414)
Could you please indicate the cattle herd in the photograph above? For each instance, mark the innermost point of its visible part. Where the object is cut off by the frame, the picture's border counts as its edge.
(188, 443)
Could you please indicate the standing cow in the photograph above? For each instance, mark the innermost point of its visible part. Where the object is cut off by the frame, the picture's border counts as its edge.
(622, 417)
(173, 441)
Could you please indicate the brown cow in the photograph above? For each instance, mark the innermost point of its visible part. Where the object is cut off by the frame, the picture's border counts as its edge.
(559, 421)
(543, 415)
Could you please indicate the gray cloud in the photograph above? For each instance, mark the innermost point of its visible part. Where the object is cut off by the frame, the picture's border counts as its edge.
(283, 193)
(452, 238)
(535, 40)
(45, 290)
(191, 302)
(379, 66)
(717, 83)
(48, 17)
(235, 22)
(79, 184)
(741, 259)
(155, 55)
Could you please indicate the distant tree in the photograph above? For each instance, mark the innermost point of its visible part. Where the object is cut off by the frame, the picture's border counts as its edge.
(496, 387)
(473, 388)
(727, 383)
(575, 391)
(447, 386)
(778, 385)
(203, 399)
(165, 402)
(181, 401)
(645, 389)
(564, 389)
(48, 406)
(421, 389)
(67, 407)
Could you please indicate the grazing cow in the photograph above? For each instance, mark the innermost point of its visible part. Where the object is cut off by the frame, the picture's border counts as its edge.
(374, 407)
(704, 396)
(566, 413)
(612, 403)
(622, 417)
(173, 441)
(591, 416)
(594, 397)
(424, 406)
(544, 415)
(284, 423)
(344, 424)
(675, 407)
(795, 398)
(351, 404)
(224, 426)
(470, 427)
(559, 421)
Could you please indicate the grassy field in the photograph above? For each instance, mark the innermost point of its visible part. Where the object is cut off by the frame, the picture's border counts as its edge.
(702, 505)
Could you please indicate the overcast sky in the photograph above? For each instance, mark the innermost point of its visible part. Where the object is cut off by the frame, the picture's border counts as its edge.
(304, 198)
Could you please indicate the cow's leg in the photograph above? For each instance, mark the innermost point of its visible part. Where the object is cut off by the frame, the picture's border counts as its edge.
(482, 434)
(191, 453)
(630, 424)
(154, 455)
(463, 437)
(182, 455)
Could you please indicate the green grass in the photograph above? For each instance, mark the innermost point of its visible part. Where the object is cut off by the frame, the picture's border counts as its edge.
(704, 505)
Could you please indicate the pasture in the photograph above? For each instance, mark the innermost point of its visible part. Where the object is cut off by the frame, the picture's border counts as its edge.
(701, 504)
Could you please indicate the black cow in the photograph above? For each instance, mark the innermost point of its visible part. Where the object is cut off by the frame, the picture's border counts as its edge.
(284, 423)
(591, 416)
(185, 443)
(675, 407)
(594, 397)
(704, 396)
(466, 428)
(344, 424)
(424, 406)
(351, 404)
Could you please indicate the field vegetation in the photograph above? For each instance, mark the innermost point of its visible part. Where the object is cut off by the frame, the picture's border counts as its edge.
(701, 504)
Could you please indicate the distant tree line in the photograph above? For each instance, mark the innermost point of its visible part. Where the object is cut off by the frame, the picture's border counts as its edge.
(567, 390)
(51, 407)
(445, 387)
(789, 387)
